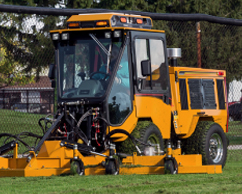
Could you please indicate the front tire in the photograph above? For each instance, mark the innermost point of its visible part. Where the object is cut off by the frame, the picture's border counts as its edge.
(151, 135)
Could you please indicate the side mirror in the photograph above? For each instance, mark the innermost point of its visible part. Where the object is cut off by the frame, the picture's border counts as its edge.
(51, 74)
(146, 67)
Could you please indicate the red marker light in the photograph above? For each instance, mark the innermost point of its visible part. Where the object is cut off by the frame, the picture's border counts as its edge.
(220, 73)
(139, 21)
(123, 20)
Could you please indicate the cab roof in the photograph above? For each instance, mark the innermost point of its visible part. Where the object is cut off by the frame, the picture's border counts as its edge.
(108, 21)
(111, 19)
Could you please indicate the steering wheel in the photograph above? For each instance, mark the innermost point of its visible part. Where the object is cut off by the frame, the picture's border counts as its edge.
(99, 72)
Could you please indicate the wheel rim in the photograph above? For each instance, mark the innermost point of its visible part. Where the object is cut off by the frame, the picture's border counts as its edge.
(154, 141)
(216, 148)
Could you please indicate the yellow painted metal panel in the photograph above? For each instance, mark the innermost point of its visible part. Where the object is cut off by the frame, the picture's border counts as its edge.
(92, 160)
(17, 163)
(208, 169)
(107, 28)
(51, 149)
(94, 171)
(128, 125)
(186, 120)
(98, 16)
(157, 110)
(142, 170)
(4, 162)
(144, 160)
(189, 160)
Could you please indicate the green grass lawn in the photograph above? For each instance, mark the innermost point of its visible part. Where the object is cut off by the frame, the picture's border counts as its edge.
(230, 181)
(16, 122)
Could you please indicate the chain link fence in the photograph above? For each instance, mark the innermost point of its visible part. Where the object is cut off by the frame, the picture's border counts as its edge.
(27, 49)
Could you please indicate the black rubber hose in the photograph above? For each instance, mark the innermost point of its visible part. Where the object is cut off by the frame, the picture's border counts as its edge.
(26, 133)
(88, 113)
(108, 124)
(82, 135)
(14, 136)
(40, 124)
(154, 16)
(46, 135)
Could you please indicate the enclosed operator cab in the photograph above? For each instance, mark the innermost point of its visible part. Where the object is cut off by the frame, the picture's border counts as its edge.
(117, 64)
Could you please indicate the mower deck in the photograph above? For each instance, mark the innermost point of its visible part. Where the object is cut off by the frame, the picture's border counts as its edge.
(54, 159)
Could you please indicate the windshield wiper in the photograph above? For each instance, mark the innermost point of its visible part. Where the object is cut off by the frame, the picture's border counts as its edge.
(100, 44)
(107, 52)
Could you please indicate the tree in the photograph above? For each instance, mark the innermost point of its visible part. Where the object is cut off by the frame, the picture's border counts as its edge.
(25, 44)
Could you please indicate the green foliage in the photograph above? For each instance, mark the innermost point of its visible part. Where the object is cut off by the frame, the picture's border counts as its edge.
(221, 47)
(79, 3)
(25, 46)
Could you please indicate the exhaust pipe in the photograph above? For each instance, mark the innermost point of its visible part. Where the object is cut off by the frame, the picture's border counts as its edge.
(173, 54)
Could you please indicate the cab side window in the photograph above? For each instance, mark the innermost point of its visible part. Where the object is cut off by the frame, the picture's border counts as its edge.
(153, 51)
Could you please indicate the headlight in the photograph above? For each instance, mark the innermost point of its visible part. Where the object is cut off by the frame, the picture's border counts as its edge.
(117, 34)
(65, 36)
(107, 34)
(55, 36)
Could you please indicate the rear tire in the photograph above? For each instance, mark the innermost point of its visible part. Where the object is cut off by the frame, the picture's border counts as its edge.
(210, 141)
(215, 147)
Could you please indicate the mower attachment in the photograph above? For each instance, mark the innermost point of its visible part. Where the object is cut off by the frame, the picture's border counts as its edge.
(56, 157)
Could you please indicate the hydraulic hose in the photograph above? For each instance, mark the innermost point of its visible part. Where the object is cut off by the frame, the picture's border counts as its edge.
(14, 136)
(46, 135)
(88, 113)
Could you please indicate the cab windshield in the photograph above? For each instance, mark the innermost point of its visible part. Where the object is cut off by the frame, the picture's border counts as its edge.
(86, 62)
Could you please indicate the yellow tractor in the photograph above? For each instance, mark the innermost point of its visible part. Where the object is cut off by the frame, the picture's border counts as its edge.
(125, 106)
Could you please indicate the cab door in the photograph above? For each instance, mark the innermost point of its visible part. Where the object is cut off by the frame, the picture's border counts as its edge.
(151, 79)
